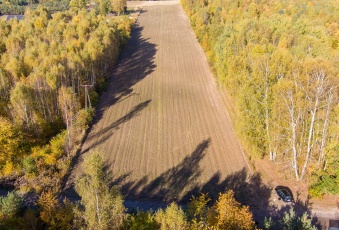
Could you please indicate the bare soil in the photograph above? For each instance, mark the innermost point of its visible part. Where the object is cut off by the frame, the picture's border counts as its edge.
(165, 132)
(321, 210)
(161, 125)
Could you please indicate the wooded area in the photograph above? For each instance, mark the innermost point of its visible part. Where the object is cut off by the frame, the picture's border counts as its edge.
(18, 7)
(52, 70)
(280, 62)
(101, 207)
(8, 7)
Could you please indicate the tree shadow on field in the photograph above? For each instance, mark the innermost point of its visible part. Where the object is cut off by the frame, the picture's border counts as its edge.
(102, 136)
(107, 132)
(170, 185)
(181, 183)
(135, 63)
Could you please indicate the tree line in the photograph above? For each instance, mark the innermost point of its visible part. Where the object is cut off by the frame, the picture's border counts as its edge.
(18, 7)
(52, 71)
(101, 207)
(279, 61)
(8, 7)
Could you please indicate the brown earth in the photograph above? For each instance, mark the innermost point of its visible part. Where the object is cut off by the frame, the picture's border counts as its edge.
(161, 126)
(164, 128)
(322, 210)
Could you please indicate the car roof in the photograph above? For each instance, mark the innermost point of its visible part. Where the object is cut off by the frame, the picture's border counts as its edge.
(284, 190)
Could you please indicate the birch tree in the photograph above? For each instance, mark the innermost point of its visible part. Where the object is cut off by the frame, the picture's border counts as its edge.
(69, 105)
(308, 98)
(102, 207)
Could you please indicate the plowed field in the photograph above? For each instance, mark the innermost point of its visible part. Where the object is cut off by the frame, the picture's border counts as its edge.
(161, 125)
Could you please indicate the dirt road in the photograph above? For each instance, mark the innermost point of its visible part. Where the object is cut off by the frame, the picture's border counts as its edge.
(161, 125)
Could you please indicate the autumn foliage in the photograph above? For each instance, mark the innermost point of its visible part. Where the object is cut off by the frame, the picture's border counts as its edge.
(279, 61)
(53, 68)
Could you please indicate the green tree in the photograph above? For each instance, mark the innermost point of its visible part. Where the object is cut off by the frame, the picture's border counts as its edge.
(142, 221)
(291, 221)
(101, 206)
(104, 7)
(10, 205)
(172, 218)
(197, 210)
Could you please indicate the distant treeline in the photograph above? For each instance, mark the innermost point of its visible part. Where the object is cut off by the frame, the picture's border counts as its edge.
(280, 62)
(15, 7)
(52, 71)
(18, 7)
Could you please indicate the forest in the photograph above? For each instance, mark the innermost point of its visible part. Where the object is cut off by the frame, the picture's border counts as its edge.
(19, 6)
(101, 207)
(279, 60)
(52, 71)
(53, 68)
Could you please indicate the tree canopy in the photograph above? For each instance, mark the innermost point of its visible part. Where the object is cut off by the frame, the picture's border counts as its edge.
(45, 62)
(279, 61)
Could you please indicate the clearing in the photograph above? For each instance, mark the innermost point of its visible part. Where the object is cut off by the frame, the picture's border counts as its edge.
(161, 125)
(164, 130)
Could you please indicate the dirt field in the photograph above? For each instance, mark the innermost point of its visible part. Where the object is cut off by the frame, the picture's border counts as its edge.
(162, 127)
(165, 132)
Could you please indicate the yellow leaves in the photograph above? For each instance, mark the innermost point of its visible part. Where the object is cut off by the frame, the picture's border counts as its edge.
(54, 214)
(118, 5)
(259, 49)
(48, 203)
(253, 10)
(172, 218)
(8, 143)
(50, 160)
(283, 42)
(8, 169)
(80, 4)
(13, 66)
(50, 153)
(39, 23)
(204, 42)
(230, 213)
(225, 214)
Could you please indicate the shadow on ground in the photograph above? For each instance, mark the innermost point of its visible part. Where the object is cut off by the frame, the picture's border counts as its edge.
(107, 132)
(181, 182)
(171, 184)
(135, 63)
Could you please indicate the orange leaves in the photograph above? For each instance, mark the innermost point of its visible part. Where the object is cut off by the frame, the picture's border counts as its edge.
(226, 213)
(48, 202)
(230, 214)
